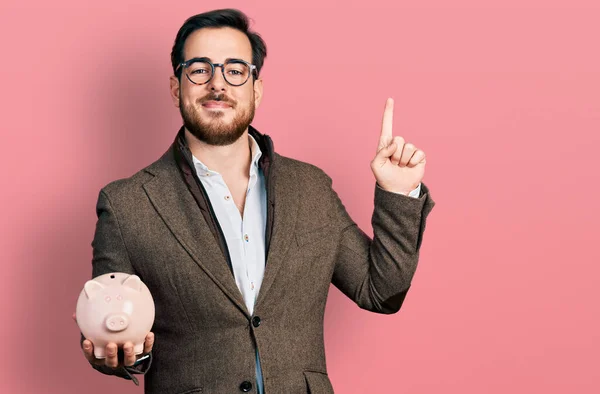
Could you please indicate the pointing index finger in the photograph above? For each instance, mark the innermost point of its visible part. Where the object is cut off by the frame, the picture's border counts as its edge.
(386, 125)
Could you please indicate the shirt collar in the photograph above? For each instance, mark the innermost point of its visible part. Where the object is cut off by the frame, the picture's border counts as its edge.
(254, 151)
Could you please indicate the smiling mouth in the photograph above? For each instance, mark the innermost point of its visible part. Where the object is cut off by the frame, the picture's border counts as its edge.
(216, 105)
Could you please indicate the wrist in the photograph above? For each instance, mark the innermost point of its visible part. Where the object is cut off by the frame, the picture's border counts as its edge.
(398, 191)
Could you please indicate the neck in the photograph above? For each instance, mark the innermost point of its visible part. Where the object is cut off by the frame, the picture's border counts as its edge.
(227, 160)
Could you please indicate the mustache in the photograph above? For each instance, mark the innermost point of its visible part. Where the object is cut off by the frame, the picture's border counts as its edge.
(216, 97)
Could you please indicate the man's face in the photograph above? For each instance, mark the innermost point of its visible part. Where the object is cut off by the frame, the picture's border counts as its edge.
(216, 113)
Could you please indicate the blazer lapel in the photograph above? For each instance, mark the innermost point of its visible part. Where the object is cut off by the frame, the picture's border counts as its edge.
(180, 212)
(283, 203)
(175, 204)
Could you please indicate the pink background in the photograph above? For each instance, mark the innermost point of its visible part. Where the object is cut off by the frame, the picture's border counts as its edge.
(503, 96)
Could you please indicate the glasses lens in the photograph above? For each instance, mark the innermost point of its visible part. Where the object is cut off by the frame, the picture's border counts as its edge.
(199, 72)
(236, 73)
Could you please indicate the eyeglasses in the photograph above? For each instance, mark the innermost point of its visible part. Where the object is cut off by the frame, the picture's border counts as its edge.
(200, 70)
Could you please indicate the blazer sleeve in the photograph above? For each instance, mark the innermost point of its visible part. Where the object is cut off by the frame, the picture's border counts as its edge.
(110, 255)
(377, 273)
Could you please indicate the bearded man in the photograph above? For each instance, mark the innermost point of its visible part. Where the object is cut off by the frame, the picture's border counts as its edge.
(239, 244)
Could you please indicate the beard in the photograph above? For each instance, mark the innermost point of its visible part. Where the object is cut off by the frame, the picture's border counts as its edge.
(212, 130)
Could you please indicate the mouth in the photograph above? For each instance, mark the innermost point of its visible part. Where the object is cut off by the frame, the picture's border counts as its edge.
(216, 105)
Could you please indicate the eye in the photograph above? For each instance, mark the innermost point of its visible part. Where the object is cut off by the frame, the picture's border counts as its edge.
(107, 298)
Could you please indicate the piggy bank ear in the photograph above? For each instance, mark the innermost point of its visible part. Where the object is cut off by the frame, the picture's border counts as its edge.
(92, 287)
(134, 282)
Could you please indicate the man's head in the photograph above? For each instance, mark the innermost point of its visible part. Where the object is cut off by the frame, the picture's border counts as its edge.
(213, 109)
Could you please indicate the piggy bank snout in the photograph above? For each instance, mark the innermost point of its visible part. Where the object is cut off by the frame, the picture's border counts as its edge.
(117, 322)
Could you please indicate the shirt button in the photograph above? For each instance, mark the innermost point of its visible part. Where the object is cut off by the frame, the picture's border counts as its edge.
(227, 198)
(246, 238)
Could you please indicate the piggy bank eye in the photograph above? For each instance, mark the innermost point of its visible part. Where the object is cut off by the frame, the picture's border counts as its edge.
(119, 297)
(107, 298)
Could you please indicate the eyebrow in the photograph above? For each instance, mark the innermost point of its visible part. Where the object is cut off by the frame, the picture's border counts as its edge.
(228, 59)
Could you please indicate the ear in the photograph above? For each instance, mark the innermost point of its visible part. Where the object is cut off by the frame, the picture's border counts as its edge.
(92, 287)
(134, 282)
(174, 84)
(258, 92)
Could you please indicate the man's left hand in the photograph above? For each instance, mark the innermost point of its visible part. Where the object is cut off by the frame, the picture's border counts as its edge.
(398, 166)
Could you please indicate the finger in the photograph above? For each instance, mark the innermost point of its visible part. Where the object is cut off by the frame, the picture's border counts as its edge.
(417, 157)
(386, 125)
(407, 153)
(148, 343)
(395, 159)
(111, 359)
(129, 356)
(88, 350)
(382, 156)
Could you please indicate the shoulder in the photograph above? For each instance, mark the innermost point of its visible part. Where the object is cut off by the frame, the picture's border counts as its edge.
(302, 170)
(130, 188)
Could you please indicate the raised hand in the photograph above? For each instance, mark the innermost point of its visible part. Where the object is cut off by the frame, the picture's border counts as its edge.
(398, 166)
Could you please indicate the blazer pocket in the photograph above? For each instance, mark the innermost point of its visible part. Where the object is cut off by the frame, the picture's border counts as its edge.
(305, 237)
(318, 383)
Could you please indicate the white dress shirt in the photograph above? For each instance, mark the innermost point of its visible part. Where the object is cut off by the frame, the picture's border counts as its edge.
(245, 236)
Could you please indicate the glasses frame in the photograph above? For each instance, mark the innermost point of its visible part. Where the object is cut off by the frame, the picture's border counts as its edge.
(187, 63)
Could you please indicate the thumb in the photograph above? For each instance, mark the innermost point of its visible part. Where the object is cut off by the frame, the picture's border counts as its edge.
(384, 153)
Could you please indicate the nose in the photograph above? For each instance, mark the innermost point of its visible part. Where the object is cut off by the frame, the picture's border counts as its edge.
(217, 82)
(117, 322)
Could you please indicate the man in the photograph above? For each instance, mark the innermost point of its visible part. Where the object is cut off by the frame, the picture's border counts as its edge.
(238, 244)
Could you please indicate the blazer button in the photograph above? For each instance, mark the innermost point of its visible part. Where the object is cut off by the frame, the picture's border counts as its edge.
(246, 386)
(256, 321)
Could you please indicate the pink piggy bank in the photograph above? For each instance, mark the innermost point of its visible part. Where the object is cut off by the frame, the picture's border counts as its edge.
(115, 307)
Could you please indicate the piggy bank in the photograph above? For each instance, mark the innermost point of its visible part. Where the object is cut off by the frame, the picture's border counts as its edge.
(115, 307)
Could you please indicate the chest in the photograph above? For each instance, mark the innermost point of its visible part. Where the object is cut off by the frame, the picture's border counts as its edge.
(238, 191)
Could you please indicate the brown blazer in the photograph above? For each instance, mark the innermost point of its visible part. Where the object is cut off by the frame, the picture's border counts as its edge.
(156, 224)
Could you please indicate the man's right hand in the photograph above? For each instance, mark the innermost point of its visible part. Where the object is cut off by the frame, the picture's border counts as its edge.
(111, 359)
